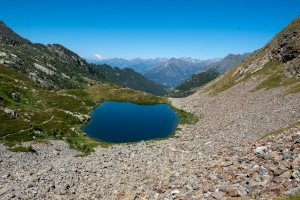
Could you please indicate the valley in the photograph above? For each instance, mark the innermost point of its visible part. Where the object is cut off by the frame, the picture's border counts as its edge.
(213, 158)
(238, 137)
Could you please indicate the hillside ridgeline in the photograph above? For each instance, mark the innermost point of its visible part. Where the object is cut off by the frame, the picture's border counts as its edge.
(190, 86)
(55, 67)
(225, 64)
(131, 79)
(277, 64)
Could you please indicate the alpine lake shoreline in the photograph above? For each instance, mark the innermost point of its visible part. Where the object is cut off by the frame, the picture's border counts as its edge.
(44, 115)
(185, 118)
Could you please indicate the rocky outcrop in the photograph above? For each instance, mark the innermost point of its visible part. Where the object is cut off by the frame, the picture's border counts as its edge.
(66, 54)
(16, 96)
(44, 69)
(10, 111)
(292, 68)
(286, 48)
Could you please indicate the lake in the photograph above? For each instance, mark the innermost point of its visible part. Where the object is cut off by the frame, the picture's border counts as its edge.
(117, 122)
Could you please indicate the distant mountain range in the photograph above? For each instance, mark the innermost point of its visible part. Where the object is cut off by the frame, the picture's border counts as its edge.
(136, 64)
(206, 74)
(225, 64)
(163, 71)
(139, 64)
(171, 73)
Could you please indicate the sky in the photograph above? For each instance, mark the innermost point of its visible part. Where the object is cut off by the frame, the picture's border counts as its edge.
(202, 29)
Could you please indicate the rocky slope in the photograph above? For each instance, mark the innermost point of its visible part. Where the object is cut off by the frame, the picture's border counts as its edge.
(55, 67)
(219, 157)
(276, 64)
(5, 30)
(49, 66)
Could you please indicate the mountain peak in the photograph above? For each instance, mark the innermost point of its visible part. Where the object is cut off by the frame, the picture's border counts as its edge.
(173, 60)
(227, 63)
(5, 30)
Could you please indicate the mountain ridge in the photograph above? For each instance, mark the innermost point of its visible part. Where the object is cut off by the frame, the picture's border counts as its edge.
(191, 84)
(4, 29)
(278, 62)
(131, 79)
(139, 64)
(55, 67)
(226, 63)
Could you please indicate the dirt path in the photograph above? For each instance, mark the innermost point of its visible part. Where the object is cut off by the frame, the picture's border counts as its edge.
(21, 131)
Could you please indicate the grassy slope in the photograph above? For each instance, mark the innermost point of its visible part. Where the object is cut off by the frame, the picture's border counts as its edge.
(50, 115)
(131, 79)
(195, 81)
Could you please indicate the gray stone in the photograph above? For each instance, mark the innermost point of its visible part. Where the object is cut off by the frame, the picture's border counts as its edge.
(260, 149)
(287, 156)
(217, 195)
(292, 191)
(263, 171)
(296, 174)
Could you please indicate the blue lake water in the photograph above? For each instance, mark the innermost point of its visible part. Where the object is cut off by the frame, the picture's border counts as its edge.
(126, 122)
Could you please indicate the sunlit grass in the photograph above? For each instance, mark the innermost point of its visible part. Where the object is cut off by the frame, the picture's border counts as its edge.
(44, 115)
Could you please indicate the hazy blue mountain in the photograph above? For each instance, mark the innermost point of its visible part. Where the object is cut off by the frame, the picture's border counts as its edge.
(173, 72)
(195, 60)
(227, 63)
(136, 64)
(140, 65)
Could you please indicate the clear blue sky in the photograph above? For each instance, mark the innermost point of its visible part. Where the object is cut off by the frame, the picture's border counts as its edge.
(150, 28)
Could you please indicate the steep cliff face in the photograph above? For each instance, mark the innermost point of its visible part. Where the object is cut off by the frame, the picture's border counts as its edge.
(286, 48)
